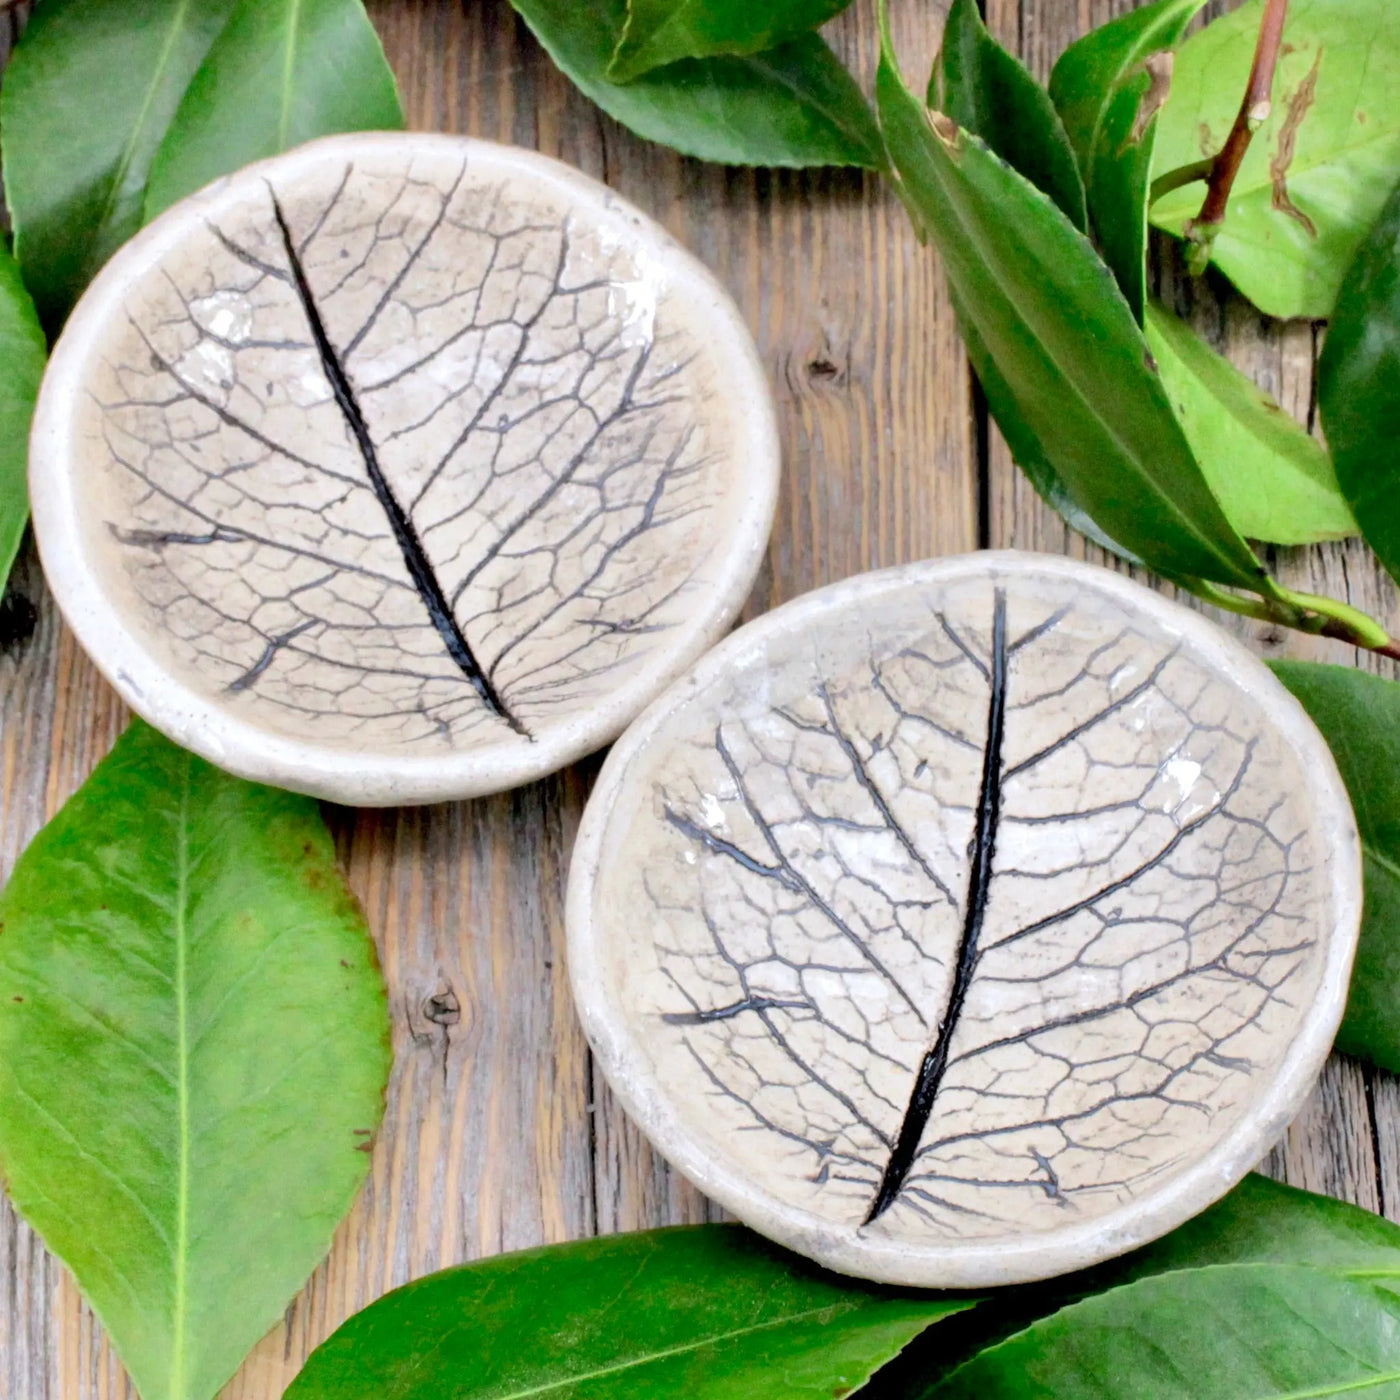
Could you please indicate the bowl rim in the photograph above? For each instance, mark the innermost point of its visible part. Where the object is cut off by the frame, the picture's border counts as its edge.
(1010, 1258)
(340, 773)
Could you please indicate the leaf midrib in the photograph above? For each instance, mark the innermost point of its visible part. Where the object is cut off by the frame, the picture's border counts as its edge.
(182, 1191)
(284, 116)
(786, 1321)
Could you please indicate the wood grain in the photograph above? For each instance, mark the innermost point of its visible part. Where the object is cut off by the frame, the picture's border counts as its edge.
(498, 1133)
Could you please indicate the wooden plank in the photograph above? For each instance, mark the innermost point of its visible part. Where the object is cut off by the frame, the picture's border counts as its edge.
(1346, 1142)
(498, 1134)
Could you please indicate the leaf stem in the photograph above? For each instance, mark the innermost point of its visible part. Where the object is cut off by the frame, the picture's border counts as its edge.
(1254, 112)
(1171, 180)
(1304, 612)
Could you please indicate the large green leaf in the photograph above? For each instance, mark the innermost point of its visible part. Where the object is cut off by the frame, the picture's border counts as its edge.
(992, 94)
(87, 97)
(793, 105)
(1274, 481)
(1108, 88)
(22, 351)
(658, 32)
(1317, 172)
(706, 1313)
(280, 73)
(1357, 386)
(1235, 1332)
(1359, 716)
(193, 1053)
(1260, 1221)
(1047, 313)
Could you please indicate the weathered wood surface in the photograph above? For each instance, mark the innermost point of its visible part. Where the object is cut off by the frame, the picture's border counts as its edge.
(498, 1133)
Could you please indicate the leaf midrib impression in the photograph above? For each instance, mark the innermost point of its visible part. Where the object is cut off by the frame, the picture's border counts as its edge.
(979, 881)
(415, 557)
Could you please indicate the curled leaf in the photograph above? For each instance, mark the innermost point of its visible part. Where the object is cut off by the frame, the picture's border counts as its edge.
(1109, 87)
(992, 94)
(794, 105)
(658, 32)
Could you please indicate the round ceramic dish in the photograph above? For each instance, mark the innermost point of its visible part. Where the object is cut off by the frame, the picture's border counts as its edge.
(401, 468)
(966, 923)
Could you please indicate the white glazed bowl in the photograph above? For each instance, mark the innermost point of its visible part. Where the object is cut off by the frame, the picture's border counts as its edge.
(401, 468)
(966, 923)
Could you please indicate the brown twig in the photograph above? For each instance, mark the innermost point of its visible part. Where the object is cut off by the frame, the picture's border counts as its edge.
(1254, 112)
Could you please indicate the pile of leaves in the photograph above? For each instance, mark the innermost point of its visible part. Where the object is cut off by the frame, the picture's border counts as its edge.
(193, 1039)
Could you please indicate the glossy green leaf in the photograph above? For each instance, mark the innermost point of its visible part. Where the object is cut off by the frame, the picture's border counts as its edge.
(193, 1051)
(281, 72)
(1357, 386)
(86, 100)
(1045, 310)
(658, 32)
(1359, 716)
(1260, 1221)
(793, 105)
(1025, 446)
(1274, 481)
(705, 1313)
(22, 351)
(1109, 87)
(1317, 172)
(992, 94)
(1235, 1332)
(1263, 1221)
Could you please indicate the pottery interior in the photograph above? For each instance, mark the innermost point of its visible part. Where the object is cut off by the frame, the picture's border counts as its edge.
(966, 923)
(402, 446)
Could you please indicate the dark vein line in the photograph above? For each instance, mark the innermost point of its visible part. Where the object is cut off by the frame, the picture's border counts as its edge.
(736, 1008)
(414, 555)
(979, 883)
(269, 654)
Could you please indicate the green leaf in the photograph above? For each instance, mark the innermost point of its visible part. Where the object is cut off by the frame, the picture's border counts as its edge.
(193, 1051)
(1317, 172)
(281, 72)
(22, 352)
(1260, 1221)
(1274, 481)
(705, 1313)
(1359, 716)
(1356, 386)
(794, 105)
(1025, 446)
(658, 32)
(992, 94)
(1108, 88)
(1045, 310)
(87, 97)
(1236, 1332)
(1263, 1221)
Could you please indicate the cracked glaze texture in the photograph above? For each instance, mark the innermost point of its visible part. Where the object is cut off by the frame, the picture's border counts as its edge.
(964, 904)
(421, 446)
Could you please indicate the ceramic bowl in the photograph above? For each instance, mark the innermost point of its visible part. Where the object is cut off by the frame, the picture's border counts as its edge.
(966, 923)
(401, 468)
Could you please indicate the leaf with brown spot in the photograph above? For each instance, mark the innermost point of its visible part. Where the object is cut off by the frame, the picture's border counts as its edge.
(1318, 170)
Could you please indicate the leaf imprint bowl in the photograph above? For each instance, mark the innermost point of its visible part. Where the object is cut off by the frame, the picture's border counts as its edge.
(401, 468)
(966, 923)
